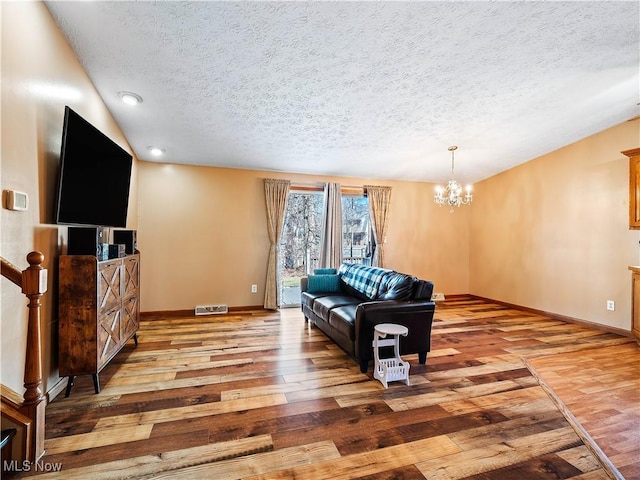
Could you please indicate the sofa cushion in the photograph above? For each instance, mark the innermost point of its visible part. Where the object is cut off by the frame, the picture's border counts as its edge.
(352, 292)
(323, 305)
(307, 299)
(343, 319)
(364, 279)
(396, 286)
(325, 271)
(422, 290)
(323, 283)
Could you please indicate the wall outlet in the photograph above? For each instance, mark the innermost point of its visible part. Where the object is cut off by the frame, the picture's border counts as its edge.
(611, 305)
(254, 288)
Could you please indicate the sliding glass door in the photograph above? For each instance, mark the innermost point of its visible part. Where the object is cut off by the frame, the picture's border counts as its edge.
(299, 248)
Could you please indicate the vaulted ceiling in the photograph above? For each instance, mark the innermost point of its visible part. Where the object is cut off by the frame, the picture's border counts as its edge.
(364, 89)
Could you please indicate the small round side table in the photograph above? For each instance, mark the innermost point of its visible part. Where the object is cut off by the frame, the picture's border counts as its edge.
(393, 368)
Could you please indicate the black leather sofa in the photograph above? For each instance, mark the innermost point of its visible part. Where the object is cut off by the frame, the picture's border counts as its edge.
(347, 304)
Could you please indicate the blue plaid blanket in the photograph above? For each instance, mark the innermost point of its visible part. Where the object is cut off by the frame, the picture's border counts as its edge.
(364, 279)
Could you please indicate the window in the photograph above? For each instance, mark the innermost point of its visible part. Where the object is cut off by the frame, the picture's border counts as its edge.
(357, 237)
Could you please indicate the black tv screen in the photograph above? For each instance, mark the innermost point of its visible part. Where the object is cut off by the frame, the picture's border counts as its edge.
(95, 174)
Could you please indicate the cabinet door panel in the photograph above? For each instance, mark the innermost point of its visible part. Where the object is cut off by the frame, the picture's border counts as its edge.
(634, 187)
(635, 308)
(131, 275)
(109, 284)
(109, 335)
(129, 317)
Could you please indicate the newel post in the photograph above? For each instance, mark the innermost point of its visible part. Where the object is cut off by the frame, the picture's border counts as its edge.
(34, 285)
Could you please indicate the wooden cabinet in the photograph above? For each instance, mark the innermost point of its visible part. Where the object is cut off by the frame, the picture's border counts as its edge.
(635, 302)
(634, 224)
(634, 187)
(99, 312)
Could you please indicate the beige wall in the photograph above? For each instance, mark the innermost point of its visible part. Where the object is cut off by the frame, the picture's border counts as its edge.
(203, 236)
(40, 75)
(552, 234)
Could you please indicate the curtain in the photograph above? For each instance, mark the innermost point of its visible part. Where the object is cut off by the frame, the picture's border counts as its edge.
(331, 243)
(276, 193)
(379, 200)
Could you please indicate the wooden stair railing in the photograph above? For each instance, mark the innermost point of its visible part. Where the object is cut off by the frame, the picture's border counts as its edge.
(33, 282)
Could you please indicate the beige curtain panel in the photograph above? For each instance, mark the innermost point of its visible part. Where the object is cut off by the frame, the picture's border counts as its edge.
(331, 244)
(379, 201)
(276, 193)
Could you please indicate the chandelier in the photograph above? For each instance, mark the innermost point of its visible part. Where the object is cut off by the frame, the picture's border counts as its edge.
(451, 195)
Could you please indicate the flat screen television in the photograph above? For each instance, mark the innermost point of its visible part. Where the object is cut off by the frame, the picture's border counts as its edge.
(95, 175)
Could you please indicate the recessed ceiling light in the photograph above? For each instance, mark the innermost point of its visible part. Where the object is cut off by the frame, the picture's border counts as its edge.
(156, 151)
(130, 98)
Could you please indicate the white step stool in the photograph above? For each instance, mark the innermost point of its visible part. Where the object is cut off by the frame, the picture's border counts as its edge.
(393, 368)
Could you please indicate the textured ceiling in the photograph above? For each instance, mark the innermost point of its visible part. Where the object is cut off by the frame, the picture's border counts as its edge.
(364, 89)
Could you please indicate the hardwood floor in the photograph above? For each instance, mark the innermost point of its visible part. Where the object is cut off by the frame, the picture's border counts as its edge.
(598, 390)
(265, 396)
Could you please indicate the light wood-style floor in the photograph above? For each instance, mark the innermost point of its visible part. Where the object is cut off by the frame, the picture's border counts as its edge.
(265, 396)
(598, 390)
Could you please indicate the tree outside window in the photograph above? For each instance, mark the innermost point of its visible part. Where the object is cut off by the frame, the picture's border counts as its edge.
(357, 237)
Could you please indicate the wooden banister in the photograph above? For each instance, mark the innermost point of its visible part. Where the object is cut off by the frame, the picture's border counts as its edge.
(10, 271)
(33, 282)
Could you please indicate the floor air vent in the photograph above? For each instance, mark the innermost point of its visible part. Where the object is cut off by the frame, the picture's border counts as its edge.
(211, 309)
(437, 297)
